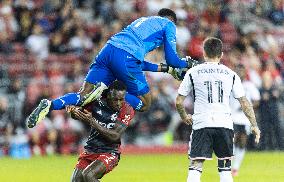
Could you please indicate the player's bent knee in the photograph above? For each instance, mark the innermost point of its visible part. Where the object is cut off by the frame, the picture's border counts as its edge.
(77, 175)
(94, 171)
(89, 176)
(196, 165)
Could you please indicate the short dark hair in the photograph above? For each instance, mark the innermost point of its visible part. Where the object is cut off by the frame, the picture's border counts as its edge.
(167, 12)
(213, 47)
(117, 85)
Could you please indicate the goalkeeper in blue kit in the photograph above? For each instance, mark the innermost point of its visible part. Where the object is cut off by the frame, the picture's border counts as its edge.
(122, 58)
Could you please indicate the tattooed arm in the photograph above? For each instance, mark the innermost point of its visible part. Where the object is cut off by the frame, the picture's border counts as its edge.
(249, 112)
(181, 110)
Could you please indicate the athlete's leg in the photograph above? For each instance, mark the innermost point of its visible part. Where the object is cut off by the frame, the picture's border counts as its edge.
(77, 175)
(240, 141)
(200, 149)
(87, 93)
(195, 170)
(223, 148)
(224, 168)
(94, 171)
(97, 79)
(139, 103)
(147, 100)
(129, 70)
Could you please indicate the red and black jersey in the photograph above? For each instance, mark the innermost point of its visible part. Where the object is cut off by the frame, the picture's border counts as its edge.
(107, 117)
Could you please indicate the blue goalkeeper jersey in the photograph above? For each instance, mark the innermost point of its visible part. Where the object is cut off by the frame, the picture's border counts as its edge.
(146, 34)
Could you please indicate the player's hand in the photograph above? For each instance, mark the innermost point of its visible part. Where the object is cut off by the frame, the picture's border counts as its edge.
(255, 130)
(190, 62)
(177, 73)
(188, 119)
(70, 108)
(82, 115)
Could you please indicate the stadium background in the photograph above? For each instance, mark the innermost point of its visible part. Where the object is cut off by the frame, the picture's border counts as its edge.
(47, 46)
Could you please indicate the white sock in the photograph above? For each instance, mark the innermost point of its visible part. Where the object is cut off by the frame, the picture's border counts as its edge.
(193, 176)
(226, 176)
(238, 158)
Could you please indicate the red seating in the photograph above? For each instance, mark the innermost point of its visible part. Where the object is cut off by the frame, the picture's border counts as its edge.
(18, 47)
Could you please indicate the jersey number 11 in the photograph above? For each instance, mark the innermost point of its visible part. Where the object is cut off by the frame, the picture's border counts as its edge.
(219, 84)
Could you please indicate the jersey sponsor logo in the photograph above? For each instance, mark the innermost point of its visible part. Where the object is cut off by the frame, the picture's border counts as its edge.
(129, 57)
(109, 125)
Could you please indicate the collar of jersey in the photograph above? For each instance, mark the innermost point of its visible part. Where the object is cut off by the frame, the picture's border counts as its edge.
(212, 63)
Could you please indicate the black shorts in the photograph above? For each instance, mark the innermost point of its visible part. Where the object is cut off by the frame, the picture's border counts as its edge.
(206, 140)
(240, 129)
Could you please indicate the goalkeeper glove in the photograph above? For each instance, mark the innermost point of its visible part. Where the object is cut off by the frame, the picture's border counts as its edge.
(175, 72)
(178, 73)
(190, 62)
(164, 67)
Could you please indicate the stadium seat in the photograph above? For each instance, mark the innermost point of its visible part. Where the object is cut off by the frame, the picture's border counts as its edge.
(18, 47)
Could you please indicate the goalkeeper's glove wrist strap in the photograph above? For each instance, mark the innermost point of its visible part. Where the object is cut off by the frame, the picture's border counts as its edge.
(164, 67)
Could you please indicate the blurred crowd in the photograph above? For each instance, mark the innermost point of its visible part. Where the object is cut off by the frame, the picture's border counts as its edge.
(46, 47)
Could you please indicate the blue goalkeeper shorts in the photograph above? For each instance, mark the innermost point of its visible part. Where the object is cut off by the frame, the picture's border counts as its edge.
(113, 63)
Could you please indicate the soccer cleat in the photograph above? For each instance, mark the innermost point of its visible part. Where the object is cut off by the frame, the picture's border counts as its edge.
(94, 94)
(39, 113)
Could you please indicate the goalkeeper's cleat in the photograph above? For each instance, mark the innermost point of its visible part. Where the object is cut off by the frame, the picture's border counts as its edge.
(39, 113)
(94, 94)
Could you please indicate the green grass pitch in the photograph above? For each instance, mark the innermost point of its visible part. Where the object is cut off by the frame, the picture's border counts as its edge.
(257, 167)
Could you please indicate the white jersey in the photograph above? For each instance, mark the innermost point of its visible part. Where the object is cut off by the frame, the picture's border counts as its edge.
(252, 94)
(212, 85)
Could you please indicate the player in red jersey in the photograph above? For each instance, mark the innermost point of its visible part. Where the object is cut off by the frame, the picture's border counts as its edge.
(109, 117)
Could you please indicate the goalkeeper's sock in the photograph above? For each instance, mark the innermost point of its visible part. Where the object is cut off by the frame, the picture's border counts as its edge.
(134, 101)
(194, 174)
(67, 99)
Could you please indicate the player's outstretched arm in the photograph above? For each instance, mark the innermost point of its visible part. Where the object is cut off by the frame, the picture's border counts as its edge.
(162, 67)
(113, 134)
(181, 110)
(249, 112)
